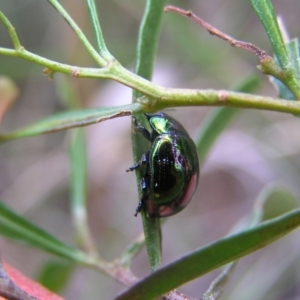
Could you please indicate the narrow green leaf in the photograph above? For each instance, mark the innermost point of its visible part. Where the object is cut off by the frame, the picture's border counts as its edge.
(146, 52)
(78, 191)
(70, 119)
(132, 251)
(266, 14)
(55, 275)
(212, 126)
(282, 90)
(152, 231)
(11, 30)
(219, 118)
(97, 30)
(99, 59)
(218, 284)
(148, 39)
(19, 229)
(66, 93)
(78, 163)
(274, 201)
(79, 176)
(211, 257)
(294, 56)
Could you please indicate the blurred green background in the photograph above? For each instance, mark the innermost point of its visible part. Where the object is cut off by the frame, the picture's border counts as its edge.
(258, 148)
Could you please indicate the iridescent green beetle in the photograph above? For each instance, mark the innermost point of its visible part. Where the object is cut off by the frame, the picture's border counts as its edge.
(172, 167)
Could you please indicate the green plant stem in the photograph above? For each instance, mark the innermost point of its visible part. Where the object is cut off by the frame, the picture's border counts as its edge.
(78, 182)
(148, 38)
(265, 202)
(220, 253)
(132, 250)
(265, 12)
(153, 240)
(146, 52)
(116, 72)
(183, 97)
(163, 97)
(55, 66)
(218, 119)
(167, 97)
(113, 270)
(216, 287)
(78, 188)
(211, 128)
(11, 30)
(102, 62)
(102, 49)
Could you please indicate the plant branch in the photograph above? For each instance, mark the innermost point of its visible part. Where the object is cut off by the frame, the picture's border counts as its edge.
(261, 54)
(266, 14)
(268, 65)
(148, 39)
(112, 269)
(216, 287)
(78, 192)
(102, 49)
(132, 250)
(146, 53)
(11, 30)
(102, 62)
(162, 97)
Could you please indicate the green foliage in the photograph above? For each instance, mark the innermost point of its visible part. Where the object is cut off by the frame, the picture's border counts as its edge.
(67, 120)
(293, 53)
(55, 275)
(17, 228)
(275, 212)
(265, 11)
(211, 257)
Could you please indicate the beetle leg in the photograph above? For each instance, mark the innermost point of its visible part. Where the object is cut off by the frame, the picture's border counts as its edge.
(142, 130)
(135, 166)
(144, 188)
(145, 158)
(138, 209)
(143, 161)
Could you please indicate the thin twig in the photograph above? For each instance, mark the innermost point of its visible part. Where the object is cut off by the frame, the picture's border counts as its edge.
(216, 287)
(261, 54)
(98, 58)
(102, 49)
(11, 30)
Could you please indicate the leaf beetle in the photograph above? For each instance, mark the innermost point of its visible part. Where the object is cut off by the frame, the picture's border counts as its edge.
(171, 167)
